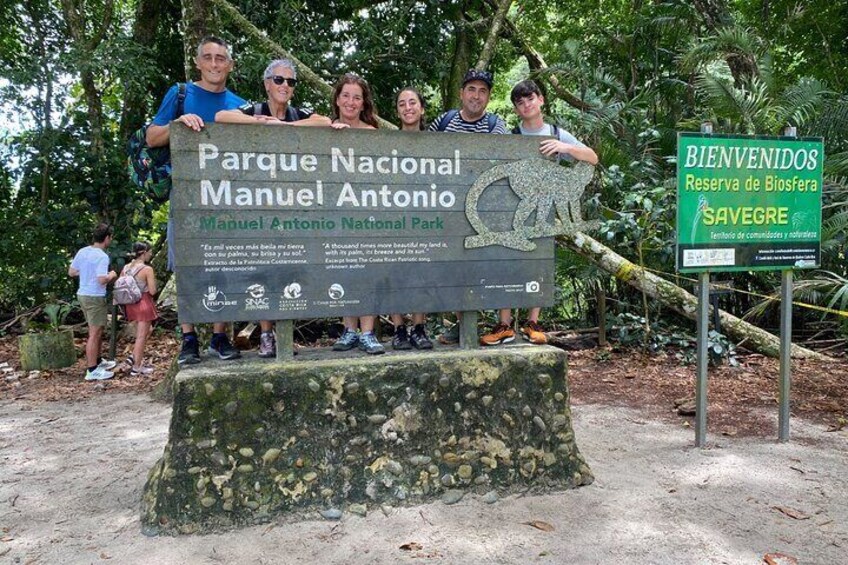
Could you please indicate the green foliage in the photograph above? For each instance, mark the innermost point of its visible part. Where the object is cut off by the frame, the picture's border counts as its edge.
(57, 313)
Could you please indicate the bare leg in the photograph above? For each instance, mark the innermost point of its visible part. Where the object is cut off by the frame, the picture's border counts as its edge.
(92, 346)
(266, 325)
(533, 314)
(142, 330)
(350, 322)
(366, 323)
(397, 320)
(418, 318)
(505, 316)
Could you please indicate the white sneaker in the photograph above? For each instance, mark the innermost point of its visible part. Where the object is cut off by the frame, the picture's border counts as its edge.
(107, 364)
(98, 374)
(141, 371)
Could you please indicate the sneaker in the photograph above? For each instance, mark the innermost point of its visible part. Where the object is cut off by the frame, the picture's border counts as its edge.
(533, 332)
(189, 352)
(98, 374)
(419, 338)
(502, 333)
(369, 344)
(267, 345)
(224, 349)
(451, 335)
(140, 371)
(348, 341)
(107, 364)
(400, 341)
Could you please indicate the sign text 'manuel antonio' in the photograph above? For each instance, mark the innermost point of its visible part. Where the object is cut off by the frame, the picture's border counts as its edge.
(346, 162)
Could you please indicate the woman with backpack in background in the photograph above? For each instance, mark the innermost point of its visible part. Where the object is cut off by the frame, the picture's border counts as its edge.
(143, 312)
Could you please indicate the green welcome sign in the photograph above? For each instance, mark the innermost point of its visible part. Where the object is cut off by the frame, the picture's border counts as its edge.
(748, 203)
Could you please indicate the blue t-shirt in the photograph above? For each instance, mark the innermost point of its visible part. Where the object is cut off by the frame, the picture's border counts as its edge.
(197, 101)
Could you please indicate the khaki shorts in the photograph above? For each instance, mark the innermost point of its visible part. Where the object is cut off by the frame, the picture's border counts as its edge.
(94, 308)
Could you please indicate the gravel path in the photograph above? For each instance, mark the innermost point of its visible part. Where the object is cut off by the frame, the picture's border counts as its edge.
(71, 476)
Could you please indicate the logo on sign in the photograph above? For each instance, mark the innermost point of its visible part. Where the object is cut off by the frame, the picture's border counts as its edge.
(256, 298)
(214, 300)
(336, 291)
(256, 291)
(292, 291)
(532, 286)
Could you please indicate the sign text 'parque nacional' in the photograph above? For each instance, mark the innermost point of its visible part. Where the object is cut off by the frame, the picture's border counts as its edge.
(285, 222)
(748, 203)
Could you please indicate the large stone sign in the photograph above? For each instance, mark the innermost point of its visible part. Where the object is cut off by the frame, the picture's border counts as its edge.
(285, 223)
(250, 440)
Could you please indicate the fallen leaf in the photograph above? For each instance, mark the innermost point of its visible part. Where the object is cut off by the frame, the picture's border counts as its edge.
(412, 546)
(539, 525)
(779, 559)
(791, 512)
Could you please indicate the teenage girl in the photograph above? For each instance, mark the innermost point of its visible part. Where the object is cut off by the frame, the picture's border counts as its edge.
(143, 312)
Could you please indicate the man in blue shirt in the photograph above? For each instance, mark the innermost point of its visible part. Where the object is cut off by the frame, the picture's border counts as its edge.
(203, 99)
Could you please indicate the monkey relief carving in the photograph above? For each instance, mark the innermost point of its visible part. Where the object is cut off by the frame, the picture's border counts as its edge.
(541, 185)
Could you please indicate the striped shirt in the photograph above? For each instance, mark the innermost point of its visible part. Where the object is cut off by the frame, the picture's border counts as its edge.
(457, 124)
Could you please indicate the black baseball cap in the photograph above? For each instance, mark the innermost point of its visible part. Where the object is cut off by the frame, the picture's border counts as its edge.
(474, 74)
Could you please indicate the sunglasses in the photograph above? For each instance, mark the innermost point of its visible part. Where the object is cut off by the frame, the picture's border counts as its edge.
(278, 80)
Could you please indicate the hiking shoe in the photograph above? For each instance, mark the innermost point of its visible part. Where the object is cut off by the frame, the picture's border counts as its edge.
(141, 371)
(189, 352)
(107, 364)
(451, 335)
(419, 338)
(400, 341)
(502, 333)
(348, 341)
(224, 349)
(533, 332)
(267, 345)
(369, 344)
(98, 374)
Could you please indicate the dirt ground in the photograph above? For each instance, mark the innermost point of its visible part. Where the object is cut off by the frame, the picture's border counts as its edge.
(74, 458)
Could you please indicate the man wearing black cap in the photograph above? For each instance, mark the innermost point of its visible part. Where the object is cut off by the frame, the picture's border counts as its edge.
(472, 117)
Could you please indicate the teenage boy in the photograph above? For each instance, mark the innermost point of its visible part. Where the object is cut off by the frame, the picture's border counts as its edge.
(203, 99)
(528, 100)
(471, 117)
(279, 79)
(91, 265)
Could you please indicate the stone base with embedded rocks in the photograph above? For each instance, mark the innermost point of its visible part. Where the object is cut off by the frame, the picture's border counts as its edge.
(250, 439)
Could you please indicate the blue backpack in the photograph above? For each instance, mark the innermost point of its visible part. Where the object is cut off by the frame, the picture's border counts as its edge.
(150, 167)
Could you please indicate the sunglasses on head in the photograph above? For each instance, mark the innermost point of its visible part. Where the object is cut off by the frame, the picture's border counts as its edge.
(292, 82)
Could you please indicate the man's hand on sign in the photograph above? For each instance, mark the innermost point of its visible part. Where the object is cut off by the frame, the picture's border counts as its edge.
(192, 121)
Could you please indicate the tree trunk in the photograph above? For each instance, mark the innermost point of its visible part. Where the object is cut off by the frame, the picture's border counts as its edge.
(195, 16)
(144, 33)
(537, 64)
(676, 298)
(459, 66)
(492, 39)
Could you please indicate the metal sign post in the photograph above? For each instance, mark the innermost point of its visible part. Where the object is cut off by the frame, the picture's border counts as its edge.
(785, 342)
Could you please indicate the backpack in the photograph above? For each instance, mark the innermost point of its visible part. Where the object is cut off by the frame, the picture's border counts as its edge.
(126, 289)
(150, 167)
(554, 130)
(451, 114)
